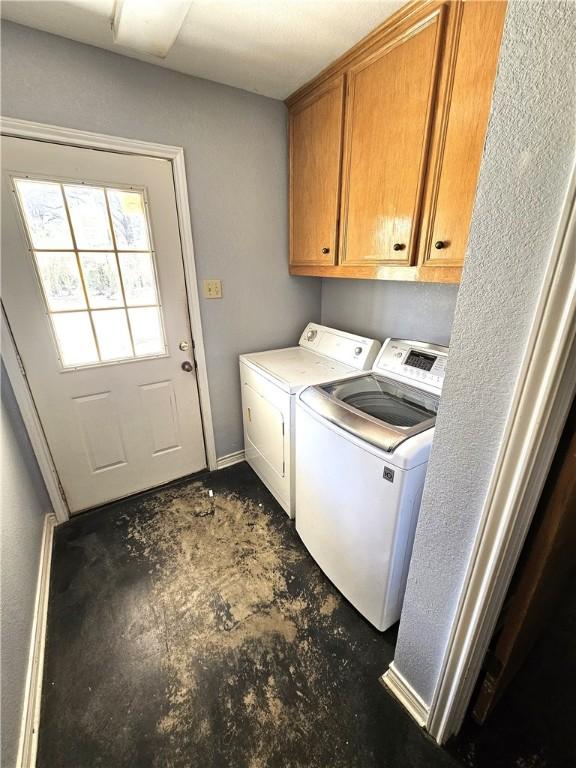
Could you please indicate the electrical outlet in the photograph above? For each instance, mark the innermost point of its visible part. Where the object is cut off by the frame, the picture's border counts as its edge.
(212, 289)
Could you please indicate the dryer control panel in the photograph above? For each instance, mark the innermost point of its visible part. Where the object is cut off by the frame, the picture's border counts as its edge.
(356, 351)
(413, 362)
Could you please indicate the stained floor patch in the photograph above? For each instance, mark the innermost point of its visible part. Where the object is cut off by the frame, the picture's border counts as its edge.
(238, 622)
(190, 627)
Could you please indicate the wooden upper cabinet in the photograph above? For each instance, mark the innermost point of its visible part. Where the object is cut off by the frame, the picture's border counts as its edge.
(388, 114)
(386, 146)
(463, 117)
(315, 127)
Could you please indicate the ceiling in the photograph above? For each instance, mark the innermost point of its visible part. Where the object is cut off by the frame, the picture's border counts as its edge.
(269, 47)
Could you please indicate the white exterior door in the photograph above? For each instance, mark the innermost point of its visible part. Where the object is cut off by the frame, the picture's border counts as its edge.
(93, 288)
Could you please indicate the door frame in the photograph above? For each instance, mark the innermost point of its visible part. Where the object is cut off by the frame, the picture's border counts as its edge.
(544, 392)
(53, 134)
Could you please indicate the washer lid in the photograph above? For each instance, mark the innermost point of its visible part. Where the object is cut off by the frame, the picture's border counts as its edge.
(381, 411)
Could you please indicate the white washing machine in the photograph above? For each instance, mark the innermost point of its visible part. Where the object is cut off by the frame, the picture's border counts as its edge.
(269, 383)
(362, 448)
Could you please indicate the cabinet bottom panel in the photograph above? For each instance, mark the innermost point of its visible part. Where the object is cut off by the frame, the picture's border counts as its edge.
(422, 274)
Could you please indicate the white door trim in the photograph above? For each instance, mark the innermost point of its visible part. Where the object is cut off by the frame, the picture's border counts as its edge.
(23, 396)
(544, 392)
(25, 129)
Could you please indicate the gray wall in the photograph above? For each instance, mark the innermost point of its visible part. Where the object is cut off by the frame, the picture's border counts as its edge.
(24, 504)
(379, 309)
(523, 180)
(236, 161)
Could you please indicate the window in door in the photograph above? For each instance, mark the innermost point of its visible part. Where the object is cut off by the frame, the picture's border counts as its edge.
(93, 256)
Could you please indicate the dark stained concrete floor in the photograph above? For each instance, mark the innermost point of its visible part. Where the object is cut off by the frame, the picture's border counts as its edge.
(194, 630)
(190, 630)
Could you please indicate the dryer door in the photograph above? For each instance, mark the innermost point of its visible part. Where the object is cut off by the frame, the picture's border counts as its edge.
(265, 428)
(266, 413)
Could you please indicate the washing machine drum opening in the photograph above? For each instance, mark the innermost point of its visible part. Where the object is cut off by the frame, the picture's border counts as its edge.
(387, 401)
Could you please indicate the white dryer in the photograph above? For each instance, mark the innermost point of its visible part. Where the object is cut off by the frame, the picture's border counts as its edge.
(362, 448)
(270, 381)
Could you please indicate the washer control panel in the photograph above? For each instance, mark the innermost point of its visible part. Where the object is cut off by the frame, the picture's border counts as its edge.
(356, 351)
(413, 362)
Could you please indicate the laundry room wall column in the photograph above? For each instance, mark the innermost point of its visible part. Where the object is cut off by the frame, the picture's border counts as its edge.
(527, 162)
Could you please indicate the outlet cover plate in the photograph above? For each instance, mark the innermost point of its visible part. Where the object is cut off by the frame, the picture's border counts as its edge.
(212, 289)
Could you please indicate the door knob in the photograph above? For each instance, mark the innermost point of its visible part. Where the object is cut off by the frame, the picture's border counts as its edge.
(398, 246)
(187, 366)
(325, 250)
(439, 244)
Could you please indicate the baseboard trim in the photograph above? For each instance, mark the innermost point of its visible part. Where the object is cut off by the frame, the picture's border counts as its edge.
(31, 708)
(401, 689)
(230, 459)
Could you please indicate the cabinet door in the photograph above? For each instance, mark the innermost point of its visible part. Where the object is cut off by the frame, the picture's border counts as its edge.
(390, 101)
(315, 161)
(457, 160)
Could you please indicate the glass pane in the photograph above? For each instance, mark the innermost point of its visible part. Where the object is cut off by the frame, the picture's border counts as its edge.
(128, 220)
(138, 277)
(60, 280)
(112, 333)
(75, 338)
(43, 208)
(102, 280)
(87, 206)
(147, 331)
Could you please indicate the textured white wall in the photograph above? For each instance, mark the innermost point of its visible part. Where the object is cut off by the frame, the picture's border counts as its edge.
(379, 309)
(236, 160)
(528, 156)
(24, 504)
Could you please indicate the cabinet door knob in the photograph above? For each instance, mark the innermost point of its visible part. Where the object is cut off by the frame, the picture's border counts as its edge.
(439, 244)
(398, 246)
(325, 250)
